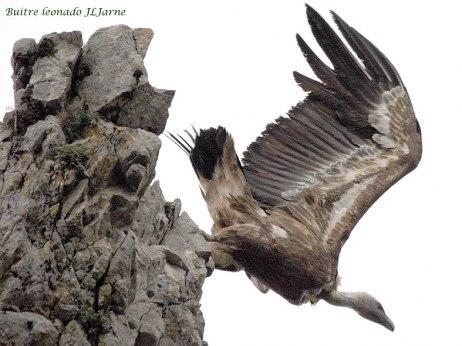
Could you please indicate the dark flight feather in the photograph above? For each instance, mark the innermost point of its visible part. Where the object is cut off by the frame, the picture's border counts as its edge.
(340, 56)
(208, 148)
(331, 125)
(377, 64)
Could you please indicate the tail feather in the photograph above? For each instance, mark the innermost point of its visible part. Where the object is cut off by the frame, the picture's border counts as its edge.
(219, 170)
(185, 146)
(208, 151)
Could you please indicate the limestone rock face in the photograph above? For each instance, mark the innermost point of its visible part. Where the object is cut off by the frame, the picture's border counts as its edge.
(116, 83)
(90, 251)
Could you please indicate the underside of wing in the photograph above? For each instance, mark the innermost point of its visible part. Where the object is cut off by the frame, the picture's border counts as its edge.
(356, 123)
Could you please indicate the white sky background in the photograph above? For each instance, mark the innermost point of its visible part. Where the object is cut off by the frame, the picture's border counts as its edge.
(231, 63)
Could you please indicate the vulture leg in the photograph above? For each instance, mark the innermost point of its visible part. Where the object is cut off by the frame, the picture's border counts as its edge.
(223, 260)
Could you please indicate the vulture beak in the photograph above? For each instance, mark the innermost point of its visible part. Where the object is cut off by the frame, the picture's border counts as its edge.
(388, 323)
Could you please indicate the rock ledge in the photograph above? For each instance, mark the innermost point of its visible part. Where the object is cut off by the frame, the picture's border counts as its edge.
(90, 252)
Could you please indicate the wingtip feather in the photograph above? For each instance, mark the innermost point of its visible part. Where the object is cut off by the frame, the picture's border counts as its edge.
(310, 10)
(313, 16)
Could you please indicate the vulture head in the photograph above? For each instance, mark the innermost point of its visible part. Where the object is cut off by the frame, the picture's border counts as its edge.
(363, 303)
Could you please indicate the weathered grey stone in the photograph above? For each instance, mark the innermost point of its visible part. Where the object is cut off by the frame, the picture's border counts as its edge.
(119, 274)
(148, 109)
(42, 77)
(52, 74)
(67, 312)
(73, 335)
(151, 329)
(150, 219)
(22, 46)
(51, 81)
(111, 55)
(22, 60)
(90, 252)
(18, 97)
(121, 334)
(186, 235)
(117, 86)
(44, 137)
(26, 328)
(66, 46)
(5, 133)
(181, 315)
(77, 195)
(4, 152)
(137, 152)
(143, 37)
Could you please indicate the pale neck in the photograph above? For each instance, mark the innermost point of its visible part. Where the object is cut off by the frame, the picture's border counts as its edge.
(345, 299)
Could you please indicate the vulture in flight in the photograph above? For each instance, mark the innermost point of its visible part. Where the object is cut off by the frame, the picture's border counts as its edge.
(284, 214)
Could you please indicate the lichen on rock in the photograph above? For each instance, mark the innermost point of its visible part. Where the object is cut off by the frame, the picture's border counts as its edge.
(90, 251)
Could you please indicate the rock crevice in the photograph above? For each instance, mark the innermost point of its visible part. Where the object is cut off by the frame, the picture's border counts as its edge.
(90, 251)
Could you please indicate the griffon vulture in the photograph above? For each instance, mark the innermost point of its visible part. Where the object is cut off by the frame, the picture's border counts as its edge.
(284, 215)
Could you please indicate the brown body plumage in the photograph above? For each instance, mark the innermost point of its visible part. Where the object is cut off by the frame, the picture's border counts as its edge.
(307, 180)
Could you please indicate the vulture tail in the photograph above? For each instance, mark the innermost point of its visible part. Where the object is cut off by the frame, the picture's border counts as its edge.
(223, 185)
(208, 150)
(219, 171)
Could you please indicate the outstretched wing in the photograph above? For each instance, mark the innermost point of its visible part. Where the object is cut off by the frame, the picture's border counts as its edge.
(353, 137)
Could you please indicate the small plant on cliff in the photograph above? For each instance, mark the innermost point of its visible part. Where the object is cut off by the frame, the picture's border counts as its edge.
(94, 323)
(169, 208)
(76, 128)
(88, 119)
(70, 156)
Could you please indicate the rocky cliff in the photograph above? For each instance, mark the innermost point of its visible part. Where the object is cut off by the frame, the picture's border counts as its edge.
(90, 252)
